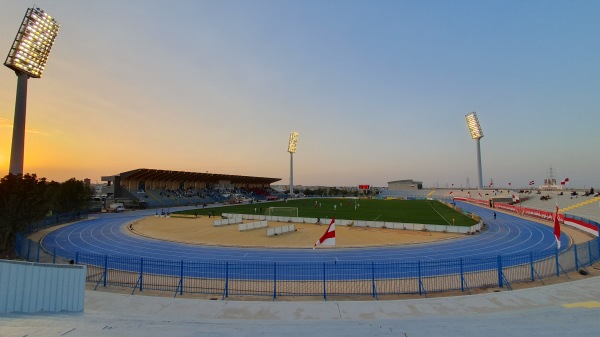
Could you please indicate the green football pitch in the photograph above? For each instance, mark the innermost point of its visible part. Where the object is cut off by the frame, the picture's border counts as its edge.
(405, 211)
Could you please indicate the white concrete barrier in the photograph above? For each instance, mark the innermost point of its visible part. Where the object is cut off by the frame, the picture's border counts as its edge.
(281, 230)
(228, 221)
(361, 223)
(252, 225)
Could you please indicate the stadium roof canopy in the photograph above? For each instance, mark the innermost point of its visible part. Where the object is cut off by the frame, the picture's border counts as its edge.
(166, 175)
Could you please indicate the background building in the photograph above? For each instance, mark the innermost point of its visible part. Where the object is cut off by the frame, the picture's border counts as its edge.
(408, 184)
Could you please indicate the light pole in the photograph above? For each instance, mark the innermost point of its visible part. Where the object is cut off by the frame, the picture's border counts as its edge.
(477, 134)
(27, 57)
(292, 149)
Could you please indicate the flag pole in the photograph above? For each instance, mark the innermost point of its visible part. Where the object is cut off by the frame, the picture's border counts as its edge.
(557, 227)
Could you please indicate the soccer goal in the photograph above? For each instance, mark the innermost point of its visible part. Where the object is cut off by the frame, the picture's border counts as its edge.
(283, 211)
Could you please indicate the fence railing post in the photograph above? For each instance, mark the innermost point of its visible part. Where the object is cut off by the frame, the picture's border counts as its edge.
(181, 280)
(531, 266)
(462, 283)
(105, 269)
(38, 252)
(141, 273)
(500, 281)
(28, 248)
(324, 283)
(76, 257)
(54, 256)
(373, 279)
(419, 273)
(227, 279)
(274, 280)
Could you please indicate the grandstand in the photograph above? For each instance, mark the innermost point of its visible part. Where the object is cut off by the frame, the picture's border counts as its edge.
(583, 204)
(142, 188)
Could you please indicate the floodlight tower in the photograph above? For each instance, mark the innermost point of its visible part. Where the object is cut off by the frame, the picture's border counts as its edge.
(292, 149)
(477, 134)
(27, 57)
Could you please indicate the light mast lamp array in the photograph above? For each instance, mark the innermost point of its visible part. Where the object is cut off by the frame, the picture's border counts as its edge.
(292, 149)
(27, 57)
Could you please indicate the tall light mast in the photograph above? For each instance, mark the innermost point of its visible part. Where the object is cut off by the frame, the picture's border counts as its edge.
(477, 134)
(27, 57)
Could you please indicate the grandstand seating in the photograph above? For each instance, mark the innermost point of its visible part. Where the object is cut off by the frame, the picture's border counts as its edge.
(579, 205)
(169, 197)
(403, 193)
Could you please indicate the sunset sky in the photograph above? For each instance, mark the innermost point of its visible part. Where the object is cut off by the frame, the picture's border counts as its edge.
(378, 90)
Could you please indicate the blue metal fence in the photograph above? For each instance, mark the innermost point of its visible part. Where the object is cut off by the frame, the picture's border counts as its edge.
(323, 279)
(31, 251)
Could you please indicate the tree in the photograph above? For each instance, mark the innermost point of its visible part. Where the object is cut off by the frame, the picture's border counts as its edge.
(308, 192)
(23, 200)
(71, 196)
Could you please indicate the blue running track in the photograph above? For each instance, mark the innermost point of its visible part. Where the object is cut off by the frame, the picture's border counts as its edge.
(108, 235)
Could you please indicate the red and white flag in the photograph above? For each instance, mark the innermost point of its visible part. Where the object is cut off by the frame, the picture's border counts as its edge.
(515, 198)
(328, 239)
(531, 183)
(557, 228)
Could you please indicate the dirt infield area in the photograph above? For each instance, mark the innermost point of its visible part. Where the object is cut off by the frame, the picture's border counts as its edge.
(201, 231)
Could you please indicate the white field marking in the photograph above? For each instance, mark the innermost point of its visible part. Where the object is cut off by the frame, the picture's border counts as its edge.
(431, 205)
(377, 217)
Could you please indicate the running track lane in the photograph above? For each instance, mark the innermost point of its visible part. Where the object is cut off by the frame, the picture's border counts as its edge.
(107, 235)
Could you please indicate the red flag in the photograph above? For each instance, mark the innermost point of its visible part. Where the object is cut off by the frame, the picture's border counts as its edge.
(557, 228)
(328, 239)
(509, 184)
(450, 192)
(563, 182)
(566, 179)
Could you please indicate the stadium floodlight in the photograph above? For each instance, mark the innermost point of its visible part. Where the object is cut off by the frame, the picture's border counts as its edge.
(477, 134)
(27, 57)
(293, 142)
(292, 149)
(474, 127)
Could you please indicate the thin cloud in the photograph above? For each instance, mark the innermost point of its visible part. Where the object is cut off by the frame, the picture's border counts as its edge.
(6, 124)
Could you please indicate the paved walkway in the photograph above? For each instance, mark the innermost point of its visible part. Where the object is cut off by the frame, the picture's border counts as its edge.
(566, 309)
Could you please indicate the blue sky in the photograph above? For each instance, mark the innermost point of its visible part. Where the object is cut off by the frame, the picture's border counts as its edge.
(377, 89)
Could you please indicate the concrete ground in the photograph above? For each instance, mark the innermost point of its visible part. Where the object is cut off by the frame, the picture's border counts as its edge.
(565, 309)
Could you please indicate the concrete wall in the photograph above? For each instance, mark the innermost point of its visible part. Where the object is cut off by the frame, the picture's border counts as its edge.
(32, 287)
